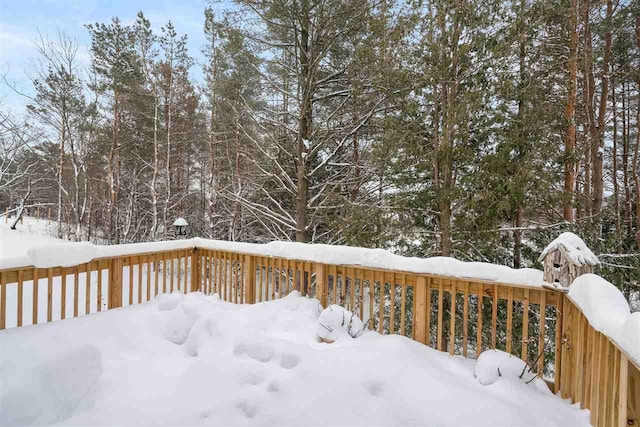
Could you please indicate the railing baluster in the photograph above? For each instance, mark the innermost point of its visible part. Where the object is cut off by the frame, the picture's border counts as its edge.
(3, 300)
(440, 313)
(509, 320)
(49, 294)
(465, 319)
(494, 318)
(524, 352)
(35, 297)
(480, 305)
(452, 318)
(542, 331)
(20, 299)
(87, 290)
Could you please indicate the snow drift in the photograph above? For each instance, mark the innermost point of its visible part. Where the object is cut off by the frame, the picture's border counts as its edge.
(194, 360)
(608, 311)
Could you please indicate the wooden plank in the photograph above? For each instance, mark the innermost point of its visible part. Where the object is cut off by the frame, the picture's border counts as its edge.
(589, 360)
(557, 382)
(479, 320)
(509, 321)
(623, 388)
(131, 280)
(75, 291)
(156, 275)
(178, 273)
(542, 332)
(147, 264)
(427, 332)
(420, 311)
(87, 288)
(234, 263)
(452, 318)
(465, 319)
(524, 352)
(49, 294)
(580, 354)
(139, 280)
(372, 286)
(34, 309)
(403, 305)
(321, 284)
(352, 286)
(164, 272)
(607, 373)
(595, 378)
(380, 280)
(494, 318)
(334, 275)
(20, 297)
(115, 283)
(392, 308)
(99, 296)
(3, 300)
(440, 314)
(633, 395)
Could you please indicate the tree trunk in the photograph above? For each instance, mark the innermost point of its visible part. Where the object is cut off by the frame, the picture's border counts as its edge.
(305, 129)
(597, 150)
(570, 115)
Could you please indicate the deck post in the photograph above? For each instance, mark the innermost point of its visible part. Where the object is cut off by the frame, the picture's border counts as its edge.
(250, 279)
(421, 309)
(115, 283)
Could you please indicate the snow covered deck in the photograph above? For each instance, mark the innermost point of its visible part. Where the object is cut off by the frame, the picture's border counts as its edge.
(196, 360)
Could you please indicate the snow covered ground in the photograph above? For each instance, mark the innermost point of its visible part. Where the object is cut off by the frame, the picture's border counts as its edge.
(196, 360)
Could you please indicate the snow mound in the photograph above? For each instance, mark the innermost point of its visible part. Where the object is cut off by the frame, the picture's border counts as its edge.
(603, 304)
(497, 364)
(336, 321)
(65, 255)
(240, 365)
(169, 301)
(608, 311)
(53, 391)
(573, 247)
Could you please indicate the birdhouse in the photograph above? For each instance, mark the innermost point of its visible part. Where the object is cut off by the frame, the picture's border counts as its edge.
(181, 226)
(566, 258)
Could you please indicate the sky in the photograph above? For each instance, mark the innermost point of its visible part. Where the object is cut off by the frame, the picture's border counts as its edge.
(21, 20)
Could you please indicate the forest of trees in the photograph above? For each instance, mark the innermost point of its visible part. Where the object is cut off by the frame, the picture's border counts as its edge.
(478, 130)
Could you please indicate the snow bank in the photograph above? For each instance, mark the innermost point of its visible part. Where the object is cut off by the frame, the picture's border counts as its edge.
(608, 311)
(67, 254)
(573, 247)
(52, 391)
(494, 365)
(336, 321)
(241, 365)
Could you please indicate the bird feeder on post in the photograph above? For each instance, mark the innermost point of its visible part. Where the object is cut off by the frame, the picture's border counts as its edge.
(566, 258)
(180, 226)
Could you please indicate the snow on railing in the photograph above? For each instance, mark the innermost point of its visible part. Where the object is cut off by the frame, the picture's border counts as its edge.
(450, 305)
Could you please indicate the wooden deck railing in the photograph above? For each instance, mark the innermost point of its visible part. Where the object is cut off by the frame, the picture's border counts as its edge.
(459, 316)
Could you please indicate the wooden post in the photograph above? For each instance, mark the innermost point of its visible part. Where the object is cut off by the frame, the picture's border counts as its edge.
(321, 284)
(249, 279)
(115, 283)
(195, 270)
(421, 309)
